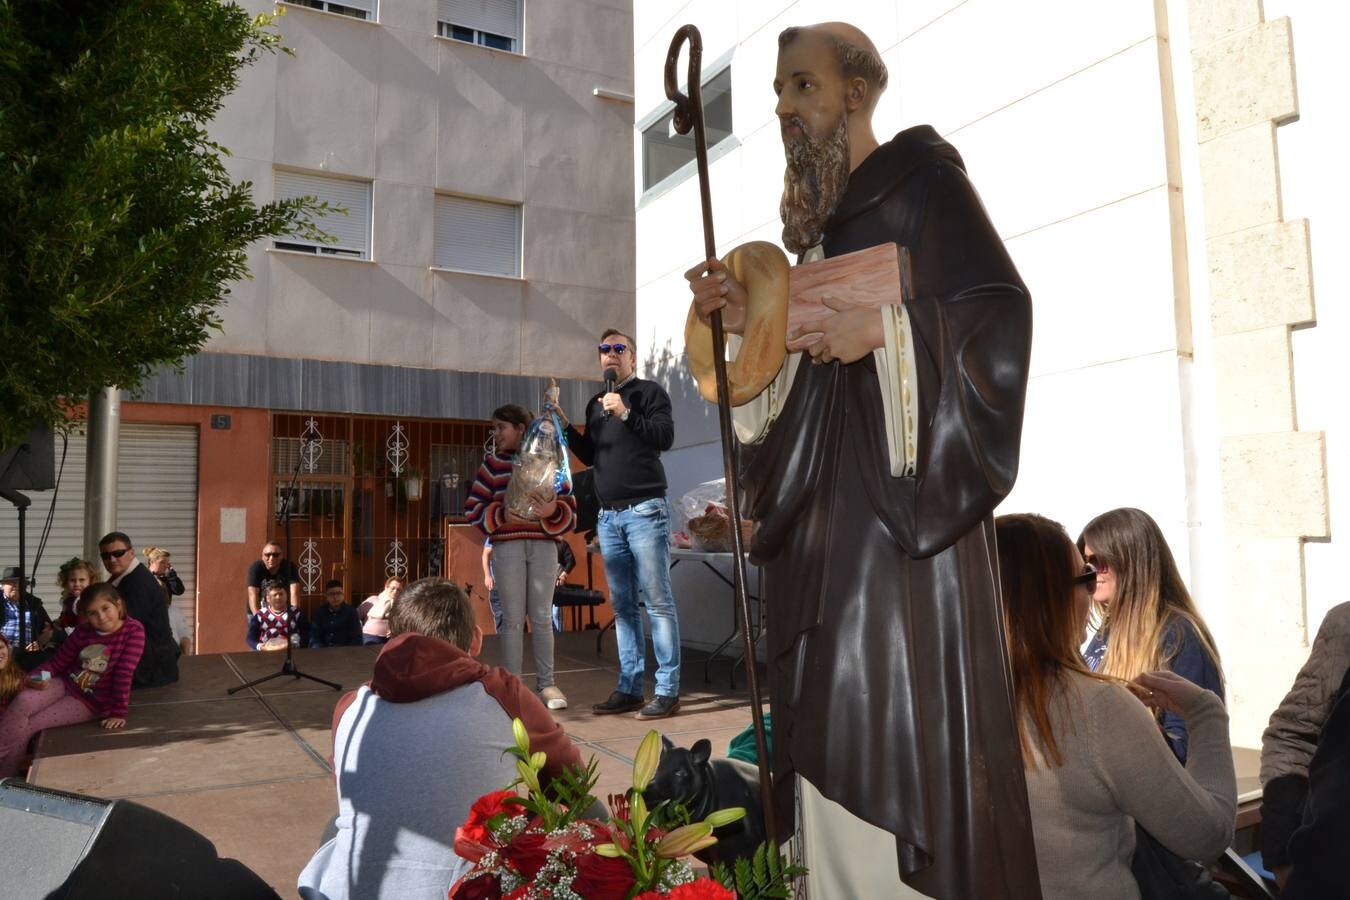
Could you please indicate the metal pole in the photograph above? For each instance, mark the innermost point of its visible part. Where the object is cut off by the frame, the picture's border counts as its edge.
(100, 474)
(689, 114)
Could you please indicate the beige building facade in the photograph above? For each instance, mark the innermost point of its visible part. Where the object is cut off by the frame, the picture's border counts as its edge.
(481, 150)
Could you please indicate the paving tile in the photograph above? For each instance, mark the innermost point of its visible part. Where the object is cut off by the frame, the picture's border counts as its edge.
(199, 678)
(271, 828)
(347, 666)
(180, 746)
(310, 715)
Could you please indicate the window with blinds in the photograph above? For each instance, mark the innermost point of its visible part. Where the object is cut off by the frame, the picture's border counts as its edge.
(477, 236)
(665, 152)
(490, 23)
(350, 229)
(357, 9)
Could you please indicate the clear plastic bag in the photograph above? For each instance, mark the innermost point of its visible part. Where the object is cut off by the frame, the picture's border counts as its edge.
(540, 463)
(702, 521)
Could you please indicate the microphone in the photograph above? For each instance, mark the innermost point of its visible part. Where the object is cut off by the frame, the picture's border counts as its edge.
(611, 375)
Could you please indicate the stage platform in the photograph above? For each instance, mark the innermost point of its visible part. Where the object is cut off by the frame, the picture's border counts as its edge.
(250, 771)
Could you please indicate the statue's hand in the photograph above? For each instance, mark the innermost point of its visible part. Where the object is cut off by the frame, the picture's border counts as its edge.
(715, 288)
(847, 336)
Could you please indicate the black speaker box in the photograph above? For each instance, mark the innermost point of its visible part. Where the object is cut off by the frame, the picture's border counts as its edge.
(56, 845)
(30, 466)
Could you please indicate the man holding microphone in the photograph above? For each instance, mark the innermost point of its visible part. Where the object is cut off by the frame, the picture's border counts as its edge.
(627, 428)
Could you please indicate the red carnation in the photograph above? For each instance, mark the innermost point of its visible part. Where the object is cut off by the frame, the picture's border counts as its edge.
(472, 839)
(702, 889)
(527, 853)
(603, 877)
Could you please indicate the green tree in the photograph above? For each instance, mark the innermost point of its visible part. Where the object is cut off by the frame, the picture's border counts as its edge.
(120, 229)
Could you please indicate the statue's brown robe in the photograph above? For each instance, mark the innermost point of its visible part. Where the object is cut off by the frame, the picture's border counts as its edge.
(888, 670)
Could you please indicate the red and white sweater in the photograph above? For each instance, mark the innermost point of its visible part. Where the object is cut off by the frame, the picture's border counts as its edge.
(486, 506)
(101, 677)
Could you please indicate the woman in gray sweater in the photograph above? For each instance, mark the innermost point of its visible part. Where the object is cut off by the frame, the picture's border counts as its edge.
(1096, 761)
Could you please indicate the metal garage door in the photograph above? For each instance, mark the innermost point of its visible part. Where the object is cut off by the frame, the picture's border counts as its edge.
(156, 506)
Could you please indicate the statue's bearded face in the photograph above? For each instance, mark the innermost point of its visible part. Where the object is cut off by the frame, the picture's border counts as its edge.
(814, 120)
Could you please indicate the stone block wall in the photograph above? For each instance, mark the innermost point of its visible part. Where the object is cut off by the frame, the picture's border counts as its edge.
(1273, 476)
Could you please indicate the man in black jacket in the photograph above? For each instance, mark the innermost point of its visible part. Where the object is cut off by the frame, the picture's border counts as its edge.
(145, 603)
(628, 425)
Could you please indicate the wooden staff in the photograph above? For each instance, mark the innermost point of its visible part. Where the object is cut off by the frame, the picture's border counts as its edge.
(689, 114)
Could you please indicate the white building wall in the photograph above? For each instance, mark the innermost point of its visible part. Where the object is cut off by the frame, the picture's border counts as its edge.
(387, 101)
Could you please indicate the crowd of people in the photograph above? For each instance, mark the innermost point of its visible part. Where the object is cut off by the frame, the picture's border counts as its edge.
(1118, 690)
(109, 637)
(1117, 680)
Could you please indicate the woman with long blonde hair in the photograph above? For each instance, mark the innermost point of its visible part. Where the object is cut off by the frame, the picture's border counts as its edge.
(1095, 762)
(1146, 618)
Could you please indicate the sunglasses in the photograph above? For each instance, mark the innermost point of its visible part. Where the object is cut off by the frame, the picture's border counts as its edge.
(1088, 579)
(114, 554)
(617, 348)
(1092, 560)
(269, 555)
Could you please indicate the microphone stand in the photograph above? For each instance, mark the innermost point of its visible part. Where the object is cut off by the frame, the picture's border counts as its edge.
(288, 666)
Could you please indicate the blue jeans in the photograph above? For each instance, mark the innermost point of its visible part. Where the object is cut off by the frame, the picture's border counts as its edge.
(635, 543)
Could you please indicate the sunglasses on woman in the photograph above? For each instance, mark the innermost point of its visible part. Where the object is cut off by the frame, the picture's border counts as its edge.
(1088, 579)
(617, 348)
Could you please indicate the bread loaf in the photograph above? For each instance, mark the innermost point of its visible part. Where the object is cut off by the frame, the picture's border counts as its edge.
(763, 269)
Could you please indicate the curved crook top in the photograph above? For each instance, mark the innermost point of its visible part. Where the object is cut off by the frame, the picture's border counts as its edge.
(688, 109)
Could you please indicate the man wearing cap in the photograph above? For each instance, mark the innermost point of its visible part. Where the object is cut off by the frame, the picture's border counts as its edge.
(41, 636)
(628, 425)
(144, 598)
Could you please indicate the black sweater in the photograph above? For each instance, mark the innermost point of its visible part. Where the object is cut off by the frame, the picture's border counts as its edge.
(627, 455)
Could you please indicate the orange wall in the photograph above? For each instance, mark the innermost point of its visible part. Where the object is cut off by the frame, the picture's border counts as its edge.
(231, 472)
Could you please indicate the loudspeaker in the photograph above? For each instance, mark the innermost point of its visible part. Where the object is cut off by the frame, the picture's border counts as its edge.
(56, 845)
(30, 466)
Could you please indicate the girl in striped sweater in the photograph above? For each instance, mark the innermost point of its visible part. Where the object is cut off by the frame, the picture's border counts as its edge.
(90, 676)
(524, 557)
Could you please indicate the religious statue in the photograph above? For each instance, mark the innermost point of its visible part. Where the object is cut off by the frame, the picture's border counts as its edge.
(874, 458)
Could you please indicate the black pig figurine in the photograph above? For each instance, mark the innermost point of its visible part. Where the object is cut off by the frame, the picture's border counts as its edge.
(706, 785)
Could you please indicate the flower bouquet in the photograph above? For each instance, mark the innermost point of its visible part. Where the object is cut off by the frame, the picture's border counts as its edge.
(546, 844)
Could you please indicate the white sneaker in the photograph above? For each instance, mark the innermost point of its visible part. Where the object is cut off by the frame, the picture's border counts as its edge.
(553, 698)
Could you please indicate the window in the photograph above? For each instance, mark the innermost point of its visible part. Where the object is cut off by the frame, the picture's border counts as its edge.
(477, 236)
(490, 23)
(664, 151)
(351, 231)
(357, 9)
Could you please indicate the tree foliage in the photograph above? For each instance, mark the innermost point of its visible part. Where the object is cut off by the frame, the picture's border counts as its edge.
(120, 229)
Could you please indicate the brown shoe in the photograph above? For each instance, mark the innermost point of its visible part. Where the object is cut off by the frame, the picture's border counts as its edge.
(618, 702)
(660, 707)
